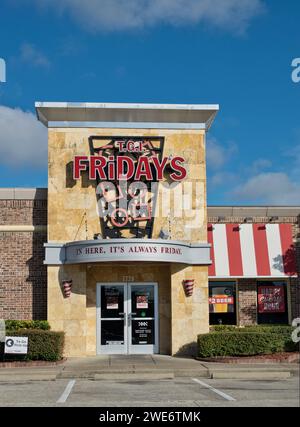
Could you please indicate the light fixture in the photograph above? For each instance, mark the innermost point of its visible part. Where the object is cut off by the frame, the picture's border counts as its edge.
(188, 286)
(163, 234)
(248, 219)
(67, 286)
(274, 218)
(97, 236)
(221, 218)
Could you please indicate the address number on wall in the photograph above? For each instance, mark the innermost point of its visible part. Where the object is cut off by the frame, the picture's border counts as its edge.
(128, 278)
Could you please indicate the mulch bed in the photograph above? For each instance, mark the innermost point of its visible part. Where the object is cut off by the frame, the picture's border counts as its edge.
(287, 357)
(29, 363)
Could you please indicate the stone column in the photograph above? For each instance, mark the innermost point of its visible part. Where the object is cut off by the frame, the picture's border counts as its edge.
(68, 314)
(189, 315)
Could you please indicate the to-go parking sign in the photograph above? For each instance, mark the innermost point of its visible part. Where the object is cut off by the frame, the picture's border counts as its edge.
(16, 345)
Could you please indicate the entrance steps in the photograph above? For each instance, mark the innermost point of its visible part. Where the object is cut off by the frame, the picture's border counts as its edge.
(134, 374)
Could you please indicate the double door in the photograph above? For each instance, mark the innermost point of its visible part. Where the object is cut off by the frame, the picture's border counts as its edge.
(127, 318)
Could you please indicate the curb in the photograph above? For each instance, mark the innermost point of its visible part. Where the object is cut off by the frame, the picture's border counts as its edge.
(134, 376)
(27, 377)
(256, 375)
(30, 363)
(293, 358)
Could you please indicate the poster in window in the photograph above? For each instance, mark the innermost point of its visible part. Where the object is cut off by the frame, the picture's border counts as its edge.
(112, 302)
(142, 332)
(271, 299)
(141, 301)
(221, 300)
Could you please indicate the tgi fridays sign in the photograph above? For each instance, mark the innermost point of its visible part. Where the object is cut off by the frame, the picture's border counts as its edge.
(133, 162)
(127, 171)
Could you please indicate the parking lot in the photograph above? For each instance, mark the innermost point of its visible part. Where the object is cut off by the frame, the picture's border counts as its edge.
(177, 392)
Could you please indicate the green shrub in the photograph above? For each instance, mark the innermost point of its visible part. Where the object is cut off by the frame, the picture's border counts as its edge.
(14, 325)
(42, 345)
(277, 329)
(242, 343)
(223, 328)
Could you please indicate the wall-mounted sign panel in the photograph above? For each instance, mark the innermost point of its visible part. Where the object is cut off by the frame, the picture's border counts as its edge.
(119, 250)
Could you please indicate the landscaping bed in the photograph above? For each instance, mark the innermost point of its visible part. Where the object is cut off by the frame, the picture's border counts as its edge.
(231, 342)
(43, 344)
(285, 357)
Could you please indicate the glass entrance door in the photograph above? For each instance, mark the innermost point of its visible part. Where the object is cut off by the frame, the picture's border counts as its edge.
(112, 318)
(127, 318)
(142, 319)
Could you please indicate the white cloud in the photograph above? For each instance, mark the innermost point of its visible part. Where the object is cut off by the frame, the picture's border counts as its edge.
(31, 55)
(259, 164)
(221, 178)
(23, 140)
(268, 188)
(293, 153)
(218, 154)
(117, 15)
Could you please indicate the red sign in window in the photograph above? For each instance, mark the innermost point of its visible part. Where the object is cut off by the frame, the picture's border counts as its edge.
(271, 299)
(221, 299)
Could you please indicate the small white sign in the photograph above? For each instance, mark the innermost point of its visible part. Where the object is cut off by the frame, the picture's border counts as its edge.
(16, 345)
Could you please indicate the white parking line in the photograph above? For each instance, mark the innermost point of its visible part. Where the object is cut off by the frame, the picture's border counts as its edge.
(220, 393)
(66, 392)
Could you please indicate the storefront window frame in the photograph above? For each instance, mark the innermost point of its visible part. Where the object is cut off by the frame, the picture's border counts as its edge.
(267, 281)
(234, 283)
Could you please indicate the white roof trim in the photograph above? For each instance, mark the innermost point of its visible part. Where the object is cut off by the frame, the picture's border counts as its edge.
(173, 116)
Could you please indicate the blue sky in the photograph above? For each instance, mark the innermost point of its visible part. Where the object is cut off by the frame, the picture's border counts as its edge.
(236, 53)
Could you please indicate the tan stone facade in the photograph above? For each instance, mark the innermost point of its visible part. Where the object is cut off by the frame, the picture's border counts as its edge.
(76, 200)
(72, 216)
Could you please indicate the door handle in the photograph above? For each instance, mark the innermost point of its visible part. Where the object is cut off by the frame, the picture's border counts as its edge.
(124, 317)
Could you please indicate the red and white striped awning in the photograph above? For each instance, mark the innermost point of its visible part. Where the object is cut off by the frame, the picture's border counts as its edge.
(251, 250)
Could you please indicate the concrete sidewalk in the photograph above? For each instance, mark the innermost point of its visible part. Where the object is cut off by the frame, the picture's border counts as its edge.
(148, 367)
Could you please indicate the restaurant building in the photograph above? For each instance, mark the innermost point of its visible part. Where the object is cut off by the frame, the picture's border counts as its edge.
(121, 251)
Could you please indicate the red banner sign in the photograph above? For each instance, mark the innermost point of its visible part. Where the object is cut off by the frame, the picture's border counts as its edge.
(271, 299)
(221, 299)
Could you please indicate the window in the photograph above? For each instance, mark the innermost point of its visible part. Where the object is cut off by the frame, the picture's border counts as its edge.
(222, 303)
(272, 302)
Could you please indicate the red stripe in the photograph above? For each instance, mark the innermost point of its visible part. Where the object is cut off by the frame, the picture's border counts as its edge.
(234, 250)
(288, 249)
(261, 250)
(210, 239)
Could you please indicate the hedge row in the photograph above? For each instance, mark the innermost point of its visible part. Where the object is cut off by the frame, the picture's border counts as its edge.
(277, 329)
(42, 345)
(14, 325)
(218, 344)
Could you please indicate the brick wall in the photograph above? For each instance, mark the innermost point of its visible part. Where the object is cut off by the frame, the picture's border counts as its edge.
(295, 282)
(246, 293)
(23, 212)
(23, 277)
(247, 302)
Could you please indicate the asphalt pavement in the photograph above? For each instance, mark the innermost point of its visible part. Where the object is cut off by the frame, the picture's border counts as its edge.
(143, 381)
(178, 392)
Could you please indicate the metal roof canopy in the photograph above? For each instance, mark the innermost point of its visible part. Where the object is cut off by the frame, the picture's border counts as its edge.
(128, 116)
